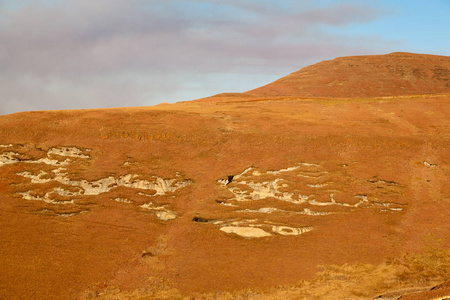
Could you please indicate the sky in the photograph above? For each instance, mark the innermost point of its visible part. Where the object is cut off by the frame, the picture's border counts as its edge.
(78, 54)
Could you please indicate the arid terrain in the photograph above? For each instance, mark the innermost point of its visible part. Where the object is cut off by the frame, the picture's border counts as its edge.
(330, 183)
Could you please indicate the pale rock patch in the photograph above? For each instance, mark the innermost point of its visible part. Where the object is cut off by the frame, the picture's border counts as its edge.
(68, 151)
(46, 198)
(160, 211)
(286, 230)
(122, 200)
(247, 232)
(429, 164)
(104, 185)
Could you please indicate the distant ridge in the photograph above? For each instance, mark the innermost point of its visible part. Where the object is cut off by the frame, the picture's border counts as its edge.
(393, 74)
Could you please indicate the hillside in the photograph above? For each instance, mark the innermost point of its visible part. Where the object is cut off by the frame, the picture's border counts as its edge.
(231, 197)
(393, 74)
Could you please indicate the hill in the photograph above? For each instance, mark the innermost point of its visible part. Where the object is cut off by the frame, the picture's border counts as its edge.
(231, 197)
(393, 74)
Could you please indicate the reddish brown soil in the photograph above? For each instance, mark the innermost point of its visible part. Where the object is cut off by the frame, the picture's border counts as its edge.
(366, 76)
(394, 151)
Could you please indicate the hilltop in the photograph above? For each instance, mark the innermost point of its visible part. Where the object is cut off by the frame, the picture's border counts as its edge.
(394, 74)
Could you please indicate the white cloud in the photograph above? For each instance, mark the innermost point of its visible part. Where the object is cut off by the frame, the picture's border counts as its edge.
(84, 53)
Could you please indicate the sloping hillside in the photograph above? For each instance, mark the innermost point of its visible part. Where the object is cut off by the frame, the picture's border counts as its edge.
(227, 199)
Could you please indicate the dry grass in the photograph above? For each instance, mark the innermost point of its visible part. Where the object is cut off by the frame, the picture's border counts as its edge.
(410, 272)
(105, 244)
(421, 268)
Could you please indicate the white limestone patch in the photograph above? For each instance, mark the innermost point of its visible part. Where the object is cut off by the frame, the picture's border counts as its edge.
(304, 185)
(46, 198)
(8, 158)
(282, 170)
(429, 164)
(11, 158)
(122, 200)
(313, 175)
(72, 189)
(247, 232)
(146, 195)
(68, 193)
(48, 161)
(76, 188)
(243, 173)
(385, 182)
(68, 151)
(257, 173)
(263, 210)
(225, 182)
(6, 146)
(260, 190)
(233, 222)
(268, 190)
(165, 215)
(66, 215)
(307, 211)
(41, 177)
(286, 230)
(302, 198)
(389, 206)
(161, 212)
(250, 228)
(364, 200)
(309, 164)
(160, 186)
(269, 210)
(245, 187)
(317, 185)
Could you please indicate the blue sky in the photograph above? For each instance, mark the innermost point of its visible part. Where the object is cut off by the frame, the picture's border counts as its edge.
(68, 54)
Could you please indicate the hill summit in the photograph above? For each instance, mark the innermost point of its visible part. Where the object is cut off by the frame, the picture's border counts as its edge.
(393, 74)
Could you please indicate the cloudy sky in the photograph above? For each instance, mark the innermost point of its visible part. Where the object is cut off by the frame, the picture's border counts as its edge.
(67, 54)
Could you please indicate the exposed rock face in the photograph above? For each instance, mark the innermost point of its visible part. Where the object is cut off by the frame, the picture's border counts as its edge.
(228, 193)
(69, 190)
(393, 74)
(306, 185)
